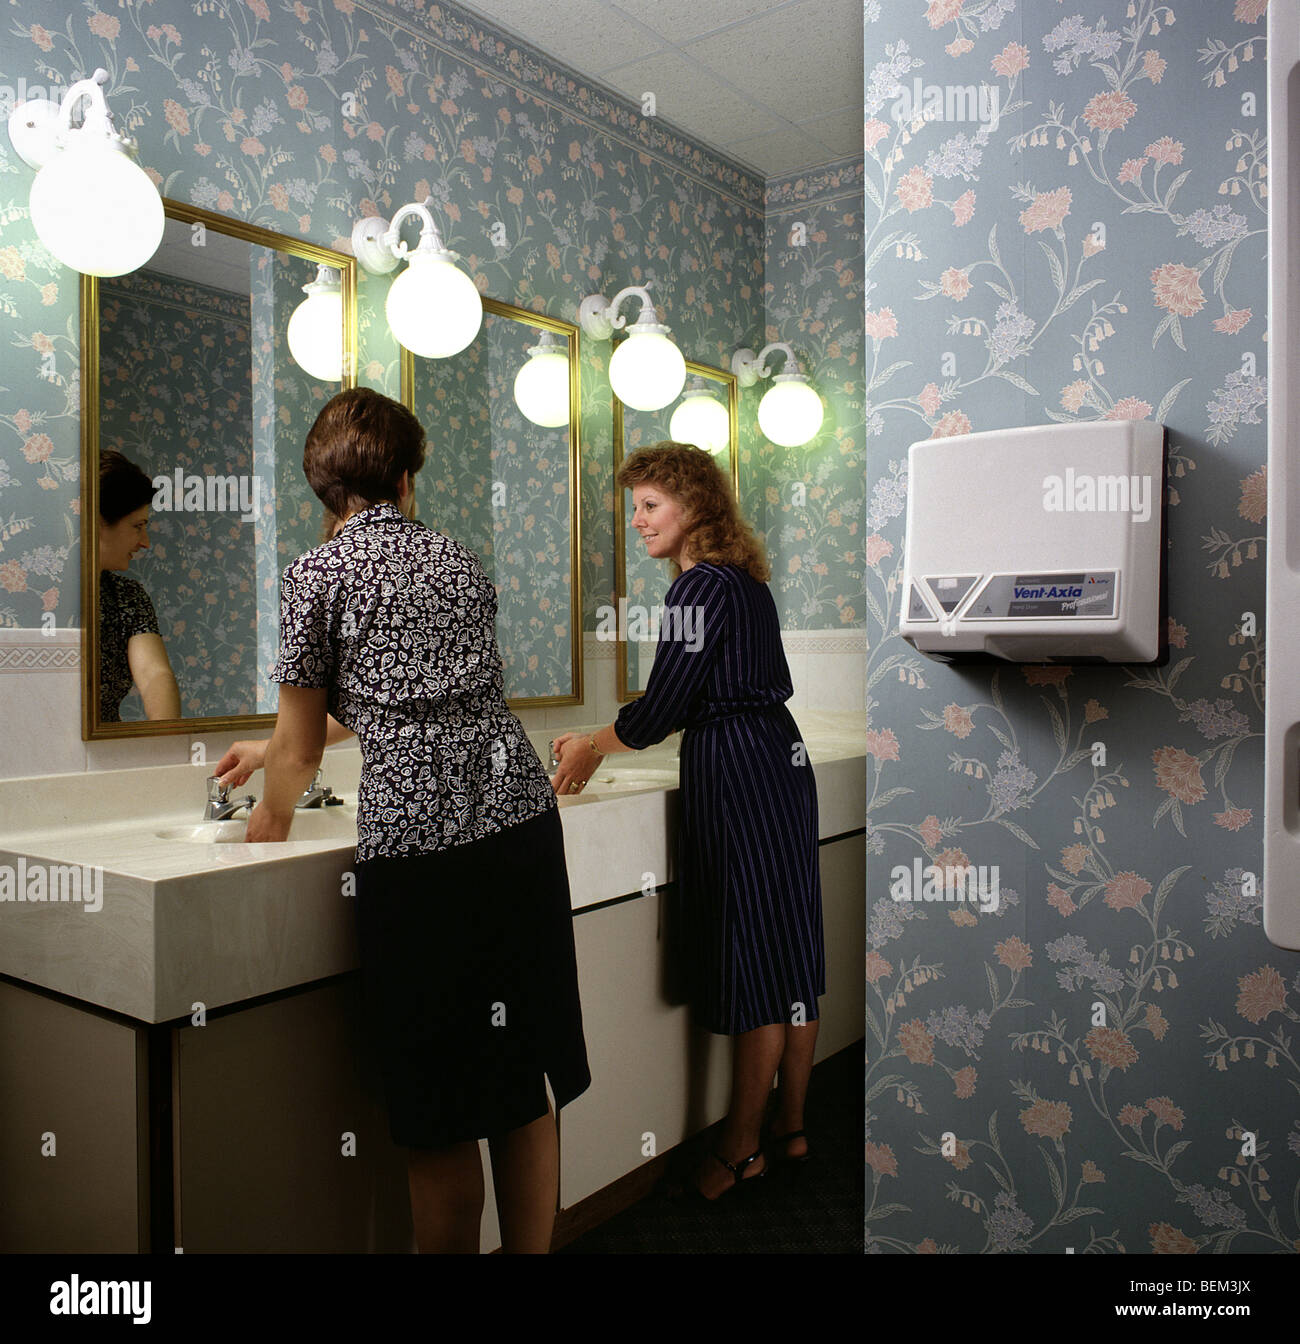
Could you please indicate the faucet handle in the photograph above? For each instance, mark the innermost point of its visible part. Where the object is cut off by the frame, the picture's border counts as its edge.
(217, 791)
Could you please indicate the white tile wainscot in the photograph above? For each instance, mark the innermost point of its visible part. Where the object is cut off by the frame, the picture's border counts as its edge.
(263, 938)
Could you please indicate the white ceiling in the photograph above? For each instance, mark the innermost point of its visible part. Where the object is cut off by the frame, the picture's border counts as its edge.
(221, 263)
(776, 84)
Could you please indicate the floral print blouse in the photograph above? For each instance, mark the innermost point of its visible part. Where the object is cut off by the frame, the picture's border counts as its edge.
(398, 623)
(124, 610)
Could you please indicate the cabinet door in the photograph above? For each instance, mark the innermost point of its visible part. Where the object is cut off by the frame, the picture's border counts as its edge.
(74, 1076)
(265, 1099)
(844, 919)
(654, 1079)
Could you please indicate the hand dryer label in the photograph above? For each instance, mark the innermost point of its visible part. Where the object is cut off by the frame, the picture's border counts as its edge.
(1090, 593)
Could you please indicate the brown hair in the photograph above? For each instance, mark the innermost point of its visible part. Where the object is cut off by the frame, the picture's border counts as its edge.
(718, 534)
(358, 448)
(123, 487)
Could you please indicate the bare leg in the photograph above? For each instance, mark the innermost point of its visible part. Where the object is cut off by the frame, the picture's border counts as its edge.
(795, 1071)
(446, 1198)
(757, 1054)
(526, 1172)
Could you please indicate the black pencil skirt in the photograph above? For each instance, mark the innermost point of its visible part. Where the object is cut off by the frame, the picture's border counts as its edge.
(470, 984)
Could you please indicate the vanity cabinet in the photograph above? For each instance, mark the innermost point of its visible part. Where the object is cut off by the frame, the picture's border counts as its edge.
(125, 1126)
(656, 1081)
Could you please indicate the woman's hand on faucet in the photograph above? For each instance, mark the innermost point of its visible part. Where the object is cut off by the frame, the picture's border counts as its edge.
(236, 767)
(577, 762)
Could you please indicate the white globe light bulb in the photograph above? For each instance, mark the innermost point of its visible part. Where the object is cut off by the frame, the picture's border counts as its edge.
(433, 307)
(315, 335)
(647, 371)
(542, 388)
(702, 421)
(790, 413)
(96, 210)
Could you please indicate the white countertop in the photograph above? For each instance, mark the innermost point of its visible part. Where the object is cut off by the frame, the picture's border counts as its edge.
(110, 819)
(174, 928)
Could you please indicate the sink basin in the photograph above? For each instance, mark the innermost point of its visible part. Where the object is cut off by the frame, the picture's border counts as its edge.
(309, 824)
(630, 781)
(616, 783)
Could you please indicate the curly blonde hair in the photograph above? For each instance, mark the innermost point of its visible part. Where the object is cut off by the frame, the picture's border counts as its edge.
(711, 515)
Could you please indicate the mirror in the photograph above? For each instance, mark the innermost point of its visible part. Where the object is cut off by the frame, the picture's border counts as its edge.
(500, 476)
(204, 370)
(642, 581)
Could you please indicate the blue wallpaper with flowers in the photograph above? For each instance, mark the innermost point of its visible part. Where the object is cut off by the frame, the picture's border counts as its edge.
(302, 117)
(1106, 1064)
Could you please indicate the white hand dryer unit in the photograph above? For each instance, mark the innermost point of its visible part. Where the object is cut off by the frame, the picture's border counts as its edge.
(1037, 545)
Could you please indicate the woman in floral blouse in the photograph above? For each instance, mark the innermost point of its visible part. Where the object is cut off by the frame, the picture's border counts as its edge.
(464, 918)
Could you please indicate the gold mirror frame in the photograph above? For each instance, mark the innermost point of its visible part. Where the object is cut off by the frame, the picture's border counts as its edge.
(693, 369)
(570, 332)
(91, 727)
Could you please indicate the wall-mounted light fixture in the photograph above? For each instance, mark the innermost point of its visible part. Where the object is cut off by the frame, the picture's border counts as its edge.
(433, 307)
(790, 413)
(647, 371)
(315, 333)
(542, 384)
(92, 206)
(701, 419)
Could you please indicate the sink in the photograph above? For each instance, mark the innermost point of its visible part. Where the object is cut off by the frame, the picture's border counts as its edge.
(616, 783)
(308, 824)
(630, 780)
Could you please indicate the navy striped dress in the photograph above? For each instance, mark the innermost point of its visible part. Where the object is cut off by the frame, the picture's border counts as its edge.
(748, 872)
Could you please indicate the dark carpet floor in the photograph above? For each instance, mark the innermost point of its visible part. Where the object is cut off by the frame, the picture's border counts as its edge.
(814, 1209)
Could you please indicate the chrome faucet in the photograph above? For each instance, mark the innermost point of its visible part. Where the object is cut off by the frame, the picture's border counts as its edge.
(318, 795)
(220, 806)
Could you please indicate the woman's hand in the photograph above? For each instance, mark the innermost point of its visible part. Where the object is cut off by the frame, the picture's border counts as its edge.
(265, 827)
(236, 767)
(577, 762)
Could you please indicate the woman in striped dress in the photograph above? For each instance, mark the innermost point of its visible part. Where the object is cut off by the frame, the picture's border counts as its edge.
(747, 844)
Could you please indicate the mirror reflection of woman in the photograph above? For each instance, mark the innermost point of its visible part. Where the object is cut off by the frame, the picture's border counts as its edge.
(749, 876)
(131, 649)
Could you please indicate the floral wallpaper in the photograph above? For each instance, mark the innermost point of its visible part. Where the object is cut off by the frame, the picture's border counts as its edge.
(1105, 1064)
(176, 394)
(813, 291)
(301, 118)
(499, 484)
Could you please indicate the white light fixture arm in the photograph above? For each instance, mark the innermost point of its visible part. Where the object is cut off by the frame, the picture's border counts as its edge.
(377, 246)
(430, 238)
(749, 368)
(600, 318)
(95, 117)
(40, 128)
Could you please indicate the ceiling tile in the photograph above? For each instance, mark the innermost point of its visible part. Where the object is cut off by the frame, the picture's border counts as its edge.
(710, 111)
(802, 61)
(681, 20)
(779, 152)
(840, 132)
(584, 34)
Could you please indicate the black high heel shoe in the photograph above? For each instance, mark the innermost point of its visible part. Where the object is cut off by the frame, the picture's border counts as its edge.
(737, 1169)
(784, 1159)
